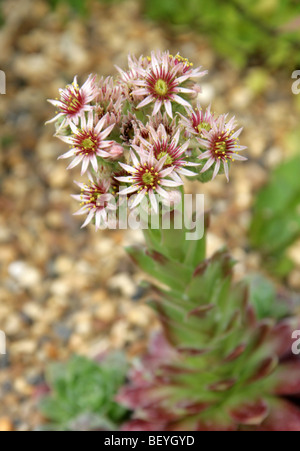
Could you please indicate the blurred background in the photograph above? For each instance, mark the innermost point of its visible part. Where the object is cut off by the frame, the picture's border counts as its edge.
(64, 290)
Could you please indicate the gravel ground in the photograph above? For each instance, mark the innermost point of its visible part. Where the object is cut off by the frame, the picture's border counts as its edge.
(66, 290)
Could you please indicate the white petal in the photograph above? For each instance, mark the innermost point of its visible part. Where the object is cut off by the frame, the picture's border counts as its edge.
(75, 162)
(139, 198)
(66, 139)
(128, 168)
(85, 165)
(56, 103)
(73, 128)
(208, 164)
(94, 162)
(216, 170)
(55, 118)
(98, 219)
(134, 159)
(166, 172)
(82, 211)
(88, 219)
(130, 190)
(239, 157)
(171, 183)
(145, 102)
(186, 172)
(68, 154)
(90, 123)
(107, 131)
(153, 200)
(162, 193)
(128, 179)
(226, 169)
(76, 197)
(168, 107)
(140, 92)
(204, 155)
(157, 107)
(186, 90)
(183, 102)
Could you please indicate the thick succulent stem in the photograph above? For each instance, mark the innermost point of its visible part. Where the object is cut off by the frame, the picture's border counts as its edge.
(217, 366)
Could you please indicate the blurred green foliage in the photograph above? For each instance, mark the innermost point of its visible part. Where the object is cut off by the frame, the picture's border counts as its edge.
(81, 7)
(260, 32)
(257, 31)
(83, 392)
(263, 297)
(276, 220)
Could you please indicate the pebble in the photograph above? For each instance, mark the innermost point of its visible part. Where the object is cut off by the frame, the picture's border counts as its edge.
(123, 284)
(106, 312)
(24, 274)
(22, 347)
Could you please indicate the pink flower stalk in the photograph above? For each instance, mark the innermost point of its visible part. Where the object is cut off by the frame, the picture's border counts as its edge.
(88, 142)
(161, 82)
(96, 201)
(74, 101)
(197, 120)
(148, 176)
(222, 145)
(175, 154)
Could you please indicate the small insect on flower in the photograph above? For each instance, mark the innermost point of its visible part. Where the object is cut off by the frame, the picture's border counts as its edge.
(88, 142)
(74, 101)
(222, 145)
(169, 149)
(148, 176)
(96, 201)
(197, 120)
(162, 81)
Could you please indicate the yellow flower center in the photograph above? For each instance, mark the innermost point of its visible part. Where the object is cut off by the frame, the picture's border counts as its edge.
(148, 178)
(161, 87)
(221, 147)
(88, 143)
(204, 126)
(169, 159)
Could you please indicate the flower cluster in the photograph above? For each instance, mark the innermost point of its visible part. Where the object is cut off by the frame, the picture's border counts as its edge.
(139, 133)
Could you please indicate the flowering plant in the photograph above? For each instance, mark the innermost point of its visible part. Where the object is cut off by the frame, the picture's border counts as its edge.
(217, 365)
